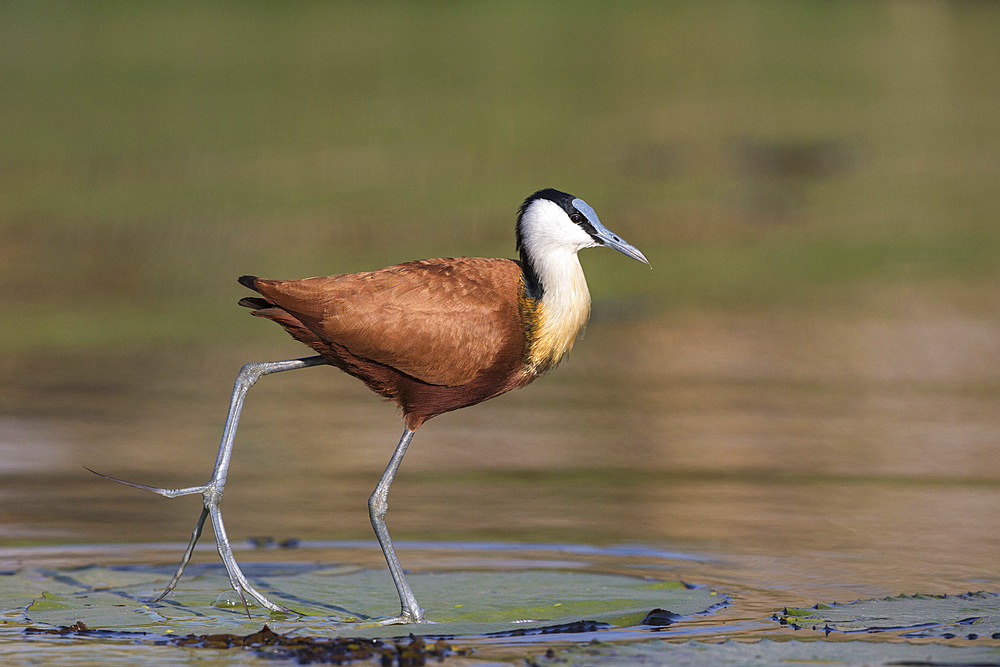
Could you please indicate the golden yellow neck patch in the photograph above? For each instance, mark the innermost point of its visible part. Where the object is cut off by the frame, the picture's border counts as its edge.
(552, 327)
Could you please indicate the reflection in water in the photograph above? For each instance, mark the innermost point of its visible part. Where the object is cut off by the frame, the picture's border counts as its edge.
(808, 457)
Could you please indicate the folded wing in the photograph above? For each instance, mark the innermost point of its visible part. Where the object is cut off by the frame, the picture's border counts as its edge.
(441, 321)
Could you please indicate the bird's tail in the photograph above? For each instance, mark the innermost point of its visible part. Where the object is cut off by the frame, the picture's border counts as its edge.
(248, 281)
(251, 301)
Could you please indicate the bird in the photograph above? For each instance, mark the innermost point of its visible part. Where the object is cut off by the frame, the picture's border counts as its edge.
(431, 335)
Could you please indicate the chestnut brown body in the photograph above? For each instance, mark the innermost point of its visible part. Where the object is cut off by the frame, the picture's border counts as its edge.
(431, 335)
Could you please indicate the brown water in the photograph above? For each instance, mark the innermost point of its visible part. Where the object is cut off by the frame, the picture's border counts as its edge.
(795, 457)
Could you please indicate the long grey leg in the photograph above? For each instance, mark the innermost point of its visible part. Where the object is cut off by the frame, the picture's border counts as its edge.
(212, 491)
(378, 505)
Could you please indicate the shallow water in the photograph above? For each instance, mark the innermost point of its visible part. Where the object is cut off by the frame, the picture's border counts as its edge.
(786, 460)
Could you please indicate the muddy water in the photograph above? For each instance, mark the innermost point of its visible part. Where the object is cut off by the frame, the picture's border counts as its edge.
(792, 458)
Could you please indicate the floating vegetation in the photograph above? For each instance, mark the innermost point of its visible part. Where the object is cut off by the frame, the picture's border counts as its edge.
(337, 611)
(966, 616)
(765, 653)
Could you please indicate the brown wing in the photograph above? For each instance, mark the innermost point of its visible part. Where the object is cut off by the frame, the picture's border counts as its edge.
(440, 321)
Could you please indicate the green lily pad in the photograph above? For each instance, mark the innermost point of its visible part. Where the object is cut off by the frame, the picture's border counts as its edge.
(340, 601)
(969, 615)
(766, 652)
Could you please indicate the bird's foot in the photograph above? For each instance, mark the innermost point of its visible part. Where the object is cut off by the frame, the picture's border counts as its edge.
(212, 495)
(405, 617)
(246, 599)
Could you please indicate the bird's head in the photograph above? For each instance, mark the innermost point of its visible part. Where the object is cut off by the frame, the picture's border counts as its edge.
(552, 221)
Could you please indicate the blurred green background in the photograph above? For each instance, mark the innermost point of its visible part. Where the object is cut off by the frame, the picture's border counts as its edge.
(759, 153)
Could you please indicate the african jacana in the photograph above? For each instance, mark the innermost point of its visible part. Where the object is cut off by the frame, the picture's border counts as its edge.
(432, 335)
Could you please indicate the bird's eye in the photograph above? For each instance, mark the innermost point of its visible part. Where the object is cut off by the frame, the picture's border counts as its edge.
(576, 217)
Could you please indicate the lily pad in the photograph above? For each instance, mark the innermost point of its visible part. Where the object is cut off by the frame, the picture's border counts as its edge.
(766, 653)
(969, 616)
(459, 603)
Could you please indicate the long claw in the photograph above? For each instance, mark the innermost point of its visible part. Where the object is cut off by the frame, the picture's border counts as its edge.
(402, 619)
(237, 579)
(169, 493)
(195, 535)
(243, 599)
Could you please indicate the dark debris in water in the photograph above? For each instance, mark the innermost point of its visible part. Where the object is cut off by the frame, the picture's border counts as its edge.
(337, 650)
(268, 542)
(558, 629)
(406, 652)
(77, 628)
(660, 618)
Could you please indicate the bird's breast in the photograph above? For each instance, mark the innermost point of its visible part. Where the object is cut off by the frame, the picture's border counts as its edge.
(553, 323)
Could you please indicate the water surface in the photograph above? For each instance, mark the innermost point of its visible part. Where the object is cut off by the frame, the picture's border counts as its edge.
(791, 460)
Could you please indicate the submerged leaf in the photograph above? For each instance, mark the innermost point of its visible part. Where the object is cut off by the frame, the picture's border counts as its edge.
(764, 653)
(332, 601)
(969, 615)
(48, 602)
